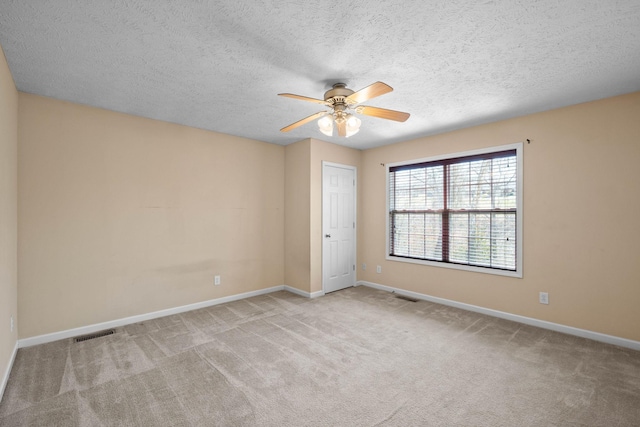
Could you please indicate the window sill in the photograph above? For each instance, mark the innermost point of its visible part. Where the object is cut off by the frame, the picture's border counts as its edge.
(516, 274)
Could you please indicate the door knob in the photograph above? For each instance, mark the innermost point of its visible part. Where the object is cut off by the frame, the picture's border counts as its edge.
(327, 235)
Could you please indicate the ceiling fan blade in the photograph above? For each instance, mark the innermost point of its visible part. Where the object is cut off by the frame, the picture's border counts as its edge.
(383, 113)
(371, 91)
(303, 121)
(304, 98)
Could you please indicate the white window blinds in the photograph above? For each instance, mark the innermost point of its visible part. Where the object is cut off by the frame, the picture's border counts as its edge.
(461, 210)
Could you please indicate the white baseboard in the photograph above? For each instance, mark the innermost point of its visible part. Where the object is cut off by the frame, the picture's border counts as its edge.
(55, 336)
(316, 294)
(584, 333)
(7, 372)
(303, 293)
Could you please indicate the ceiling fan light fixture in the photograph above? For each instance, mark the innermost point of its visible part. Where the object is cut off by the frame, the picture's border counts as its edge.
(353, 125)
(326, 125)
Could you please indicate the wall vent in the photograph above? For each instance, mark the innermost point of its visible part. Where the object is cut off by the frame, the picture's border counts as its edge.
(406, 298)
(96, 335)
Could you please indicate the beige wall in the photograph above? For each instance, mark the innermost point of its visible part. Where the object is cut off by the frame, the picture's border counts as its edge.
(297, 215)
(8, 214)
(581, 207)
(121, 215)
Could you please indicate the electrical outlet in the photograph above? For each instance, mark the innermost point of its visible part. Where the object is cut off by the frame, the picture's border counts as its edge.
(11, 323)
(364, 266)
(544, 298)
(378, 269)
(216, 280)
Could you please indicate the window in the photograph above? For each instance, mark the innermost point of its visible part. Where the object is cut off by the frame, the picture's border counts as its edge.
(460, 211)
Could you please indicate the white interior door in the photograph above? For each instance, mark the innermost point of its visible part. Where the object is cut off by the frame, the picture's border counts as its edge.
(338, 226)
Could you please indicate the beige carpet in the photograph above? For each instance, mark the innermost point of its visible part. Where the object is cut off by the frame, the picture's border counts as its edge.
(358, 357)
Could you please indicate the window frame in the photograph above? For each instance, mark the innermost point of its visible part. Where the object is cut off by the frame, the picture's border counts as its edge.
(518, 147)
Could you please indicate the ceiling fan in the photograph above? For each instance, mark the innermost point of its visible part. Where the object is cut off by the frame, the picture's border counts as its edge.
(342, 100)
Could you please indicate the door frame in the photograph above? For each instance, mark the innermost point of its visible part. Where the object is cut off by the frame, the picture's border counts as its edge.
(354, 169)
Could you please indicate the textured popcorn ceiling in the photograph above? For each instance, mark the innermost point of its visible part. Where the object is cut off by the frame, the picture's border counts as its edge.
(218, 65)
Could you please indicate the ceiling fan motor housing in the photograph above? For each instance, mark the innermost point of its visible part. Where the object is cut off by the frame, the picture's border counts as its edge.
(338, 94)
